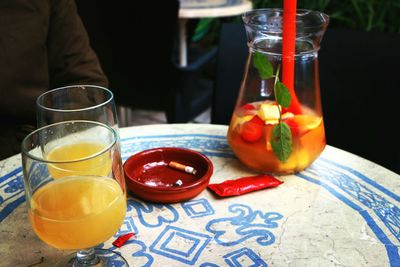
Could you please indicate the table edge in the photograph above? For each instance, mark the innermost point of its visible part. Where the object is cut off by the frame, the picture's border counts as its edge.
(187, 13)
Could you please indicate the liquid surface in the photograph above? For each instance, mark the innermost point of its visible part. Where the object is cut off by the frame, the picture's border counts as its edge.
(99, 165)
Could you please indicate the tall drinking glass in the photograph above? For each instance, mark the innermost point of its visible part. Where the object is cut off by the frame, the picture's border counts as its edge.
(75, 189)
(77, 102)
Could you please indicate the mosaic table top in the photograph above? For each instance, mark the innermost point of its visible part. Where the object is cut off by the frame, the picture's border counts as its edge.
(341, 211)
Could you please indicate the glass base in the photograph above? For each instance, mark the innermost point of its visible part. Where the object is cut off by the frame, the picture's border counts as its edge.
(104, 258)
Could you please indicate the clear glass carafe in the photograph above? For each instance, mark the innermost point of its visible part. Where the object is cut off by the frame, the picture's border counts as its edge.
(262, 110)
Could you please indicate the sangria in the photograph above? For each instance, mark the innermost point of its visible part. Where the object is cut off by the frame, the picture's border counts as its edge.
(250, 135)
(277, 125)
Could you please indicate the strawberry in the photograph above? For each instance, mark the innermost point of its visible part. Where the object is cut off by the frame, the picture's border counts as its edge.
(248, 106)
(294, 127)
(247, 109)
(257, 120)
(251, 132)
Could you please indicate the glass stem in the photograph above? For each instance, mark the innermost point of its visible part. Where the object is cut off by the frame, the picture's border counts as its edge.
(86, 257)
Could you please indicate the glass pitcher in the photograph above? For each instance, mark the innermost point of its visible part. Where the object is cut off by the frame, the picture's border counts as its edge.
(275, 128)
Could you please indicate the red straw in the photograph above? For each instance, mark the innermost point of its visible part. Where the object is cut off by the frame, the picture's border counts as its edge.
(288, 52)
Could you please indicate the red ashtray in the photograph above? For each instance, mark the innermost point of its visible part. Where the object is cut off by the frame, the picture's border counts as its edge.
(149, 176)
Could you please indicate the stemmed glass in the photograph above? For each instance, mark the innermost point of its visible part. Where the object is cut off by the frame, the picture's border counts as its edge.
(75, 189)
(77, 102)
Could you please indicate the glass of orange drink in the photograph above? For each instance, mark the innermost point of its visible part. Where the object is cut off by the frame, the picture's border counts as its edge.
(75, 189)
(277, 124)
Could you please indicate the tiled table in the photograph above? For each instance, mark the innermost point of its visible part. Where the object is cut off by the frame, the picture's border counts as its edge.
(341, 211)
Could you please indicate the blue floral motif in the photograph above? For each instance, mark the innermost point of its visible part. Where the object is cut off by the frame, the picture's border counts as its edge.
(139, 252)
(384, 209)
(209, 145)
(192, 244)
(109, 257)
(128, 226)
(38, 175)
(235, 258)
(14, 185)
(11, 192)
(247, 224)
(133, 245)
(145, 216)
(198, 208)
(208, 264)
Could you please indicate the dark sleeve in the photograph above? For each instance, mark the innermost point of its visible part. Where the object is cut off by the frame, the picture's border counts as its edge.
(71, 59)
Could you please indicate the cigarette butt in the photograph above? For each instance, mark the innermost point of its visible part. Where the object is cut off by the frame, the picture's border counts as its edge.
(179, 183)
(181, 167)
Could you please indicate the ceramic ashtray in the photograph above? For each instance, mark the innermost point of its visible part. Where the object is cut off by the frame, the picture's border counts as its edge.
(167, 174)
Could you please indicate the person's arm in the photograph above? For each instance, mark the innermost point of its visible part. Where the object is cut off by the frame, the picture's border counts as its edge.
(71, 59)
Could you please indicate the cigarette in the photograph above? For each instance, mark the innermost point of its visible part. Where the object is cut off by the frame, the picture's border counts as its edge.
(181, 167)
(179, 183)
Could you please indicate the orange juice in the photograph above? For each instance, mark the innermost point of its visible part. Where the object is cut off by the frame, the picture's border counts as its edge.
(77, 212)
(250, 131)
(98, 165)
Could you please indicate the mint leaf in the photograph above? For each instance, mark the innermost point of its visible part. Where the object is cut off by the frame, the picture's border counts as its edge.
(282, 94)
(281, 141)
(263, 66)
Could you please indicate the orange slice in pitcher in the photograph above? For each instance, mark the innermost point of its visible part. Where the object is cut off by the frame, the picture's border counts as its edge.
(309, 122)
(302, 124)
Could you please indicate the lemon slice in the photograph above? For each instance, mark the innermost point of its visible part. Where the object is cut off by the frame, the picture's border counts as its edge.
(309, 122)
(287, 115)
(271, 121)
(240, 120)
